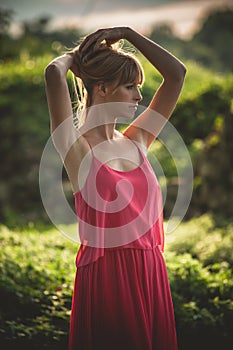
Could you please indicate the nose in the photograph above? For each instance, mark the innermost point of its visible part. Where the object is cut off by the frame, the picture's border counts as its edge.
(138, 95)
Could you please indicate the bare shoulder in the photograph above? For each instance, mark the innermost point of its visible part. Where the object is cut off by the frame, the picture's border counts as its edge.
(133, 136)
(136, 134)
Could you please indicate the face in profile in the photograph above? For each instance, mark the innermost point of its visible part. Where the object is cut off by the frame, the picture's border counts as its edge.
(123, 100)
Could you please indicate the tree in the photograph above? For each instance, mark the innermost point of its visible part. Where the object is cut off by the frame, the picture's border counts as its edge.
(216, 35)
(5, 20)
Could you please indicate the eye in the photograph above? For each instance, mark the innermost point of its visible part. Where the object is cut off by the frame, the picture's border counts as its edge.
(130, 87)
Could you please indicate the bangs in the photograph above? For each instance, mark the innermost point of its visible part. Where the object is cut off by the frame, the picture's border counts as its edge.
(131, 72)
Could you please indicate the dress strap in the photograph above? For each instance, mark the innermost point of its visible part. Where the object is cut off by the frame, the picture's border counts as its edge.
(138, 145)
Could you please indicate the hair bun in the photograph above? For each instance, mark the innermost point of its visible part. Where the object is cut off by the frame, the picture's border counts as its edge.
(84, 58)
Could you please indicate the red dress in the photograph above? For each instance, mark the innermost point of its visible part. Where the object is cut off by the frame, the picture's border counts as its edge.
(121, 297)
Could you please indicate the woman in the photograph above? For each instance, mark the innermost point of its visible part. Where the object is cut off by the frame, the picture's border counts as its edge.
(121, 296)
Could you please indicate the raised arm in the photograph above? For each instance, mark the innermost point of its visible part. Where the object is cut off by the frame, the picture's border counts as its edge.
(68, 141)
(58, 97)
(59, 102)
(171, 69)
(147, 126)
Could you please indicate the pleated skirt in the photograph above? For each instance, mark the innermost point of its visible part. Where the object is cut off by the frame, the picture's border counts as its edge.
(122, 301)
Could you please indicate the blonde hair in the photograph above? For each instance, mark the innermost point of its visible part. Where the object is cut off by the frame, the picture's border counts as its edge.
(110, 64)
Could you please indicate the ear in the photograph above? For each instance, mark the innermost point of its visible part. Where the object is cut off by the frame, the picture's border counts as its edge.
(101, 88)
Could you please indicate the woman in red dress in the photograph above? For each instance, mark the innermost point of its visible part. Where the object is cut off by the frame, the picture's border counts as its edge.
(121, 298)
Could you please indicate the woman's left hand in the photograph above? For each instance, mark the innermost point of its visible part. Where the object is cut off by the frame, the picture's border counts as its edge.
(110, 35)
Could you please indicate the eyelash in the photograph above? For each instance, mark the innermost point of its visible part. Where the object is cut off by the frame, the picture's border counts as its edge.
(132, 86)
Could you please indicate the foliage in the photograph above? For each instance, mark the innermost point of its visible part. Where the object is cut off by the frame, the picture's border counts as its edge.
(5, 19)
(200, 265)
(204, 97)
(202, 302)
(203, 118)
(207, 238)
(24, 131)
(211, 46)
(37, 269)
(215, 34)
(35, 38)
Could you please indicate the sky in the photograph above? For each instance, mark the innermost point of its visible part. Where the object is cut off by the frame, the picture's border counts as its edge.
(184, 16)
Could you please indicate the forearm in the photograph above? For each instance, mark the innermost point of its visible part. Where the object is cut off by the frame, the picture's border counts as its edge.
(167, 64)
(57, 90)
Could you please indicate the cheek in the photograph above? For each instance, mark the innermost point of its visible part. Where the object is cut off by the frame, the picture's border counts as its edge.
(121, 97)
(126, 94)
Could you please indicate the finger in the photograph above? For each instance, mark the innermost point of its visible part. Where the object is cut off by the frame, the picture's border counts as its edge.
(90, 39)
(88, 44)
(85, 44)
(100, 43)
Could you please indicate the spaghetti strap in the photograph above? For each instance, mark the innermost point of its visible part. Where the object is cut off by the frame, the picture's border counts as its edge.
(134, 141)
(138, 145)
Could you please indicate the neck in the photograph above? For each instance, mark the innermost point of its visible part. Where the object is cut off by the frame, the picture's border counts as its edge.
(100, 119)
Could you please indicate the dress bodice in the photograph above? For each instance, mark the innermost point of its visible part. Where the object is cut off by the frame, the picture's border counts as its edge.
(118, 210)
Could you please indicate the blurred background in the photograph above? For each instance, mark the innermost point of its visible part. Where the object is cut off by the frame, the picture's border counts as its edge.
(36, 263)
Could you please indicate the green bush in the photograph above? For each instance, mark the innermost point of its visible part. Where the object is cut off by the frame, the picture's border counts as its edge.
(203, 303)
(36, 282)
(200, 266)
(204, 240)
(203, 118)
(24, 131)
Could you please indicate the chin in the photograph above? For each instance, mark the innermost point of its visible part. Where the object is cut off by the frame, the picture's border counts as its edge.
(126, 117)
(125, 111)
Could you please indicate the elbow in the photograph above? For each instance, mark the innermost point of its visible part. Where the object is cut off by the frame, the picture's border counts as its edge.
(183, 70)
(52, 72)
(178, 75)
(49, 70)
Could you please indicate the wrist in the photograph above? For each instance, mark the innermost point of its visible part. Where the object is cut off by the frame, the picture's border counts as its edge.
(127, 33)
